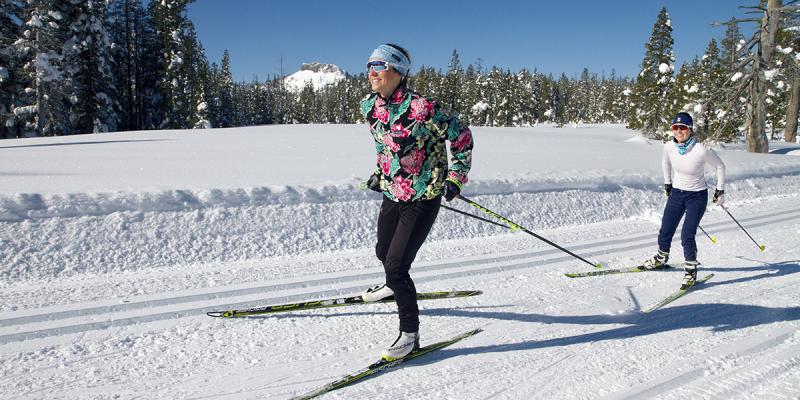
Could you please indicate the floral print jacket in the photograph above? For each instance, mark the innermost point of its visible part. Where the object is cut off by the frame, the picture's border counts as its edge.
(410, 133)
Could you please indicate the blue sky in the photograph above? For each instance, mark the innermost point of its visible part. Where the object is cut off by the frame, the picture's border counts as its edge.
(551, 36)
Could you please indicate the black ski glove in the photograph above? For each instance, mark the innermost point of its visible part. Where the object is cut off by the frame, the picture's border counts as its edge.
(451, 189)
(374, 183)
(667, 189)
(718, 197)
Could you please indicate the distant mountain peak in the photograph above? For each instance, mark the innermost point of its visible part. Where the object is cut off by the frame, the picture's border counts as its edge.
(321, 67)
(319, 74)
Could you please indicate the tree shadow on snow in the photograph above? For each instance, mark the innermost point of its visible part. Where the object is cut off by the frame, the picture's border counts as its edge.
(80, 143)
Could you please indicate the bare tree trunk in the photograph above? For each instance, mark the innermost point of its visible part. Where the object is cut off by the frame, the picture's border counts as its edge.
(790, 131)
(756, 109)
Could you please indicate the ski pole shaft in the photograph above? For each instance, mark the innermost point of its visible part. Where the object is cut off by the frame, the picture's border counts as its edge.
(514, 227)
(760, 246)
(713, 239)
(475, 216)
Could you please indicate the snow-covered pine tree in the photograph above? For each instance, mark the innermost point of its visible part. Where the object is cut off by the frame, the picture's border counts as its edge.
(732, 53)
(11, 74)
(170, 23)
(469, 95)
(225, 93)
(506, 107)
(685, 93)
(263, 104)
(526, 99)
(452, 89)
(546, 99)
(204, 96)
(41, 108)
(303, 112)
(126, 24)
(87, 69)
(564, 114)
(537, 93)
(710, 108)
(654, 81)
(194, 62)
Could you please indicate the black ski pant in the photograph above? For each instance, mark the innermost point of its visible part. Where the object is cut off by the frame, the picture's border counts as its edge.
(402, 228)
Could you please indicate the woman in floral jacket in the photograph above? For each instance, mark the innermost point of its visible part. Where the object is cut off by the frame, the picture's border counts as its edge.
(410, 133)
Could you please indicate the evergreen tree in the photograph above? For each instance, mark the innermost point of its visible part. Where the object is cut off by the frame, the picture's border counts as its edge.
(87, 69)
(12, 81)
(43, 104)
(653, 82)
(685, 94)
(732, 114)
(226, 92)
(170, 24)
(453, 84)
(127, 26)
(710, 107)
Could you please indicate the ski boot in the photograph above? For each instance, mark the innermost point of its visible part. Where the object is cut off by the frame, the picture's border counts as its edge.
(689, 274)
(376, 293)
(658, 261)
(405, 344)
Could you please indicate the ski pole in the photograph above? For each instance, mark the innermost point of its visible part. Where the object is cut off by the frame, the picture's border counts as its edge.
(713, 239)
(760, 246)
(475, 216)
(515, 227)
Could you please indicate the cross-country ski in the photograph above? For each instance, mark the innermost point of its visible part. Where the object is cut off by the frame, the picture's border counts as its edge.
(336, 302)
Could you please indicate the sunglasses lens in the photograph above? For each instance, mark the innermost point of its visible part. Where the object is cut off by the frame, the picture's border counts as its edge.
(376, 66)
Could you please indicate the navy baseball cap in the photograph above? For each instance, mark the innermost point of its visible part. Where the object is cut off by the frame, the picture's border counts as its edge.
(684, 119)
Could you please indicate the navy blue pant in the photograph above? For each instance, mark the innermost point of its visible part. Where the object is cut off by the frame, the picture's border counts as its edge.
(402, 228)
(680, 203)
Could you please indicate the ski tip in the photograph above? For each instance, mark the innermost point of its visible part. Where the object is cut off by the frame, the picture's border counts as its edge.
(220, 314)
(571, 275)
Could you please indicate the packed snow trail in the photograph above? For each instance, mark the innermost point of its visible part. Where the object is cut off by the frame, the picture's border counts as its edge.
(546, 335)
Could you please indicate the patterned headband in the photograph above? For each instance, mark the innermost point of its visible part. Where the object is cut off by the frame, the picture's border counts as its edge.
(393, 57)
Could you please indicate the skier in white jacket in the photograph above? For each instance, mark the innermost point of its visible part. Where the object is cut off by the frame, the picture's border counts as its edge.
(683, 163)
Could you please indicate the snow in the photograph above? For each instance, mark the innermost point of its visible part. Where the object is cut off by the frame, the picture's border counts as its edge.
(480, 107)
(113, 246)
(736, 76)
(664, 68)
(771, 73)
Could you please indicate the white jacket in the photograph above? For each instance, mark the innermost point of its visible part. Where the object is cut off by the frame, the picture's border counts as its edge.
(686, 172)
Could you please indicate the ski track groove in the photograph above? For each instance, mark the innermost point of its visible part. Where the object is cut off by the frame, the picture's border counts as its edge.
(472, 267)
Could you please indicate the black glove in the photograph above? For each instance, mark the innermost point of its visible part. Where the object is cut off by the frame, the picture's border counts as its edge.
(374, 183)
(451, 190)
(718, 200)
(667, 189)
